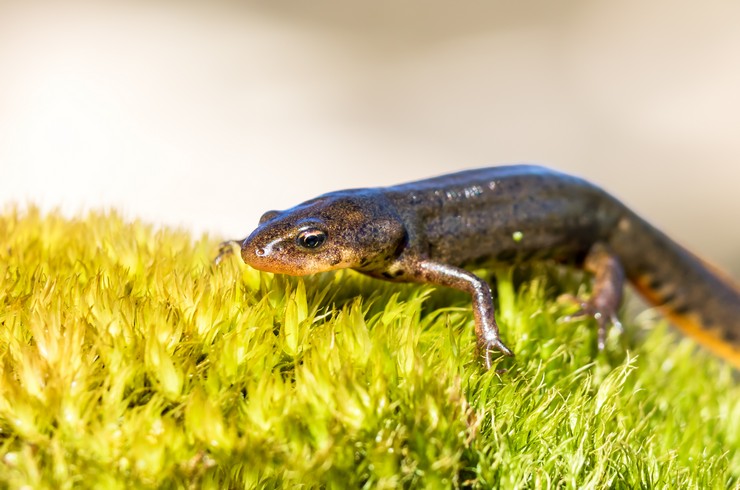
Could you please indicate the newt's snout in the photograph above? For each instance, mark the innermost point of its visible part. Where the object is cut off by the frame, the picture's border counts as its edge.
(260, 254)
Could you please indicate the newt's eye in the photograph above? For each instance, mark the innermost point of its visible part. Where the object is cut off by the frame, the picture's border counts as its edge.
(311, 238)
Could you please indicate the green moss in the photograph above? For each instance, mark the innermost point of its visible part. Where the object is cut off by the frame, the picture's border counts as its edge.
(128, 359)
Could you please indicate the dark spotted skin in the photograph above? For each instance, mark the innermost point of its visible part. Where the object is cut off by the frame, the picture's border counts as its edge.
(429, 231)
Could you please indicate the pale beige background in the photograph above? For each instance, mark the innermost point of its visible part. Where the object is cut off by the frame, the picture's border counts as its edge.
(203, 115)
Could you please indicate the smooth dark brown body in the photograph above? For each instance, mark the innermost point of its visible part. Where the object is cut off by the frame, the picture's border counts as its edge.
(428, 231)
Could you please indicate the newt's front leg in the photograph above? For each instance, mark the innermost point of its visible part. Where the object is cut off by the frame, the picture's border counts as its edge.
(486, 329)
(225, 249)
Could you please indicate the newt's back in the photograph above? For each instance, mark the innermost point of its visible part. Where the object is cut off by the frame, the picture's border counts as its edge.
(505, 213)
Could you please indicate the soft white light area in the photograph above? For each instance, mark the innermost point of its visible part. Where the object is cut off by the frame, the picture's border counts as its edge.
(204, 115)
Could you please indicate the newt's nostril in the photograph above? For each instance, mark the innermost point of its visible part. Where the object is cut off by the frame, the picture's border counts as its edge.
(260, 252)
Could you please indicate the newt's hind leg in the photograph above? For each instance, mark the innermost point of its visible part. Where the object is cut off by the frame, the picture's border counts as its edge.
(608, 287)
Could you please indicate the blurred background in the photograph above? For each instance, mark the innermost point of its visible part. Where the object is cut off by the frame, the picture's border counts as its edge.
(204, 115)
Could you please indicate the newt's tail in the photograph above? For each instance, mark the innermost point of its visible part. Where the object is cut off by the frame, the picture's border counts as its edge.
(700, 302)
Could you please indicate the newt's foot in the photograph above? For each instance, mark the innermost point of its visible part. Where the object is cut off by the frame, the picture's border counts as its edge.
(490, 344)
(225, 249)
(604, 313)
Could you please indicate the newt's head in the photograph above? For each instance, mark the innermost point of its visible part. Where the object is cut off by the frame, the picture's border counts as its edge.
(348, 229)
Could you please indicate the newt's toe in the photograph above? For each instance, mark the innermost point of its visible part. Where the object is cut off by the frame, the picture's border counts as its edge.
(604, 313)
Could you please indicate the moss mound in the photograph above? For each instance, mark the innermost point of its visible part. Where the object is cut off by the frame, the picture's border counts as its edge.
(127, 359)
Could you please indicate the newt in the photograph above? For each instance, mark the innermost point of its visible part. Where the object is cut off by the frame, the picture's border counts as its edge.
(428, 231)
